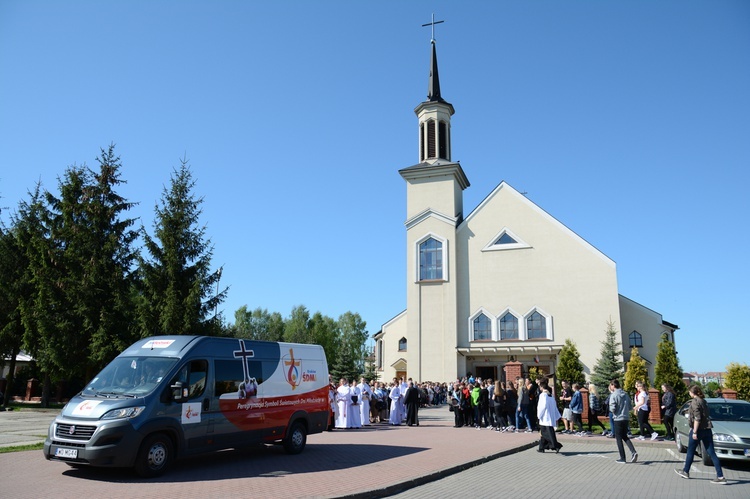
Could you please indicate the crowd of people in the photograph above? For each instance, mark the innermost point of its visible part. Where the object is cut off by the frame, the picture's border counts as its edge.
(369, 402)
(523, 405)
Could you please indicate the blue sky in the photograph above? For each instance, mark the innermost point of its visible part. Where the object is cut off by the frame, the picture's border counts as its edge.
(627, 121)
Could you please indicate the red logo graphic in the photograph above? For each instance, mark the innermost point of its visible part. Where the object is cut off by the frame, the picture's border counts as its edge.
(292, 373)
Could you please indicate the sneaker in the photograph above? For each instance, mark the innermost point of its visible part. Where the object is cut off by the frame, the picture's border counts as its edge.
(641, 438)
(620, 461)
(683, 474)
(527, 430)
(720, 480)
(654, 436)
(634, 458)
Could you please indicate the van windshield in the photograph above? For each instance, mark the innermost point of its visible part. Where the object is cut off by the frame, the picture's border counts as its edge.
(129, 377)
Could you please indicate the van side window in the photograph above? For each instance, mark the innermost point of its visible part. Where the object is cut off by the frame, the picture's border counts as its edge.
(193, 377)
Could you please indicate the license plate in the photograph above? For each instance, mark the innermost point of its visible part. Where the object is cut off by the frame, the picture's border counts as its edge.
(66, 453)
(747, 452)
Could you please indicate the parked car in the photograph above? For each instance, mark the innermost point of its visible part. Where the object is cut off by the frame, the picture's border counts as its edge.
(731, 428)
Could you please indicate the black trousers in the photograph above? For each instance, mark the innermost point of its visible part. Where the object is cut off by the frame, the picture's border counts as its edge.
(548, 440)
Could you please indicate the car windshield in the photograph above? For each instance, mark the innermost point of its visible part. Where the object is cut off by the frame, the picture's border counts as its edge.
(729, 412)
(129, 377)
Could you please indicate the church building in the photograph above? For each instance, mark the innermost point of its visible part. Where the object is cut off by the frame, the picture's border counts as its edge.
(498, 290)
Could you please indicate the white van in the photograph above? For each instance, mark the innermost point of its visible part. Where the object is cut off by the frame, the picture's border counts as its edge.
(167, 397)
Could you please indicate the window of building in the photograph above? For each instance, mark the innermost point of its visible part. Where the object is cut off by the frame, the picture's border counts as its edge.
(431, 139)
(443, 140)
(482, 328)
(421, 142)
(380, 354)
(430, 260)
(508, 327)
(505, 240)
(635, 339)
(536, 326)
(402, 345)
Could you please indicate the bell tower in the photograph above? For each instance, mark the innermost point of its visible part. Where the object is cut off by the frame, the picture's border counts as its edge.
(434, 210)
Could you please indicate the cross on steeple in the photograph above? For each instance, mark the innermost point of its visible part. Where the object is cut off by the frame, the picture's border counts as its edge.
(433, 23)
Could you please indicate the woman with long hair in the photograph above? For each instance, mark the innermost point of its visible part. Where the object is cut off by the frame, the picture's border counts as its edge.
(499, 396)
(642, 410)
(700, 432)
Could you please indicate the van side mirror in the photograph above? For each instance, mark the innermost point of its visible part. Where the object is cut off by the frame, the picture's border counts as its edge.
(177, 391)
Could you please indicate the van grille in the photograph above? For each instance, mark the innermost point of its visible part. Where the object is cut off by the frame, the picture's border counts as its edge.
(74, 431)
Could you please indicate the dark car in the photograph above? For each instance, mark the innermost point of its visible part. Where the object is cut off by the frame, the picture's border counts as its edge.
(731, 429)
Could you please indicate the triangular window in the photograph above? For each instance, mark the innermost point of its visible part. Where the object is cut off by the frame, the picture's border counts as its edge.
(506, 239)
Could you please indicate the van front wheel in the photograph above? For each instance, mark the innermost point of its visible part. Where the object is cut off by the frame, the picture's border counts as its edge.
(154, 456)
(296, 439)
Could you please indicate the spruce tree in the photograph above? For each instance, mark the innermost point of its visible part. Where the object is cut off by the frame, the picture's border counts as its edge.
(636, 371)
(610, 365)
(13, 265)
(668, 370)
(179, 292)
(569, 366)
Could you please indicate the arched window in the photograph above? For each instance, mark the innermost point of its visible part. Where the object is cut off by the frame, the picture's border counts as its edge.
(430, 260)
(635, 339)
(482, 327)
(508, 327)
(536, 326)
(402, 345)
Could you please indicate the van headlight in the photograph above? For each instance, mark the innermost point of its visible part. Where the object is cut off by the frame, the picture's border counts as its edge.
(723, 437)
(127, 412)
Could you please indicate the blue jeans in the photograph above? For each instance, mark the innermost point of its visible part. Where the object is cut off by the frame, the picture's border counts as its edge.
(707, 437)
(523, 414)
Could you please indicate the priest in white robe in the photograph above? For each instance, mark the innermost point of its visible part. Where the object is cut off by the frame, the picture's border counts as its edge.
(344, 402)
(366, 398)
(395, 396)
(355, 421)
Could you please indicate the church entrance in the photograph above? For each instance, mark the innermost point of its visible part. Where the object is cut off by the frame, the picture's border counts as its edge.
(486, 372)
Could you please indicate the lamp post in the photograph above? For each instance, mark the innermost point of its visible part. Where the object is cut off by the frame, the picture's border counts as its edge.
(216, 304)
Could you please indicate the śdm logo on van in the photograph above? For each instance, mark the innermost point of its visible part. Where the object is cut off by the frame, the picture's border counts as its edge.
(292, 370)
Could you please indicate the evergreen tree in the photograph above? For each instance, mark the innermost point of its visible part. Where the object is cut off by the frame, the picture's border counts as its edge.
(344, 366)
(40, 303)
(668, 370)
(108, 312)
(738, 379)
(179, 292)
(636, 371)
(569, 366)
(609, 366)
(12, 286)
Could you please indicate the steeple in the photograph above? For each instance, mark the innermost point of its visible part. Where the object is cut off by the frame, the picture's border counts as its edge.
(433, 90)
(434, 118)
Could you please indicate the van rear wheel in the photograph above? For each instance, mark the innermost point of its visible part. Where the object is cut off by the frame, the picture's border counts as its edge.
(295, 440)
(154, 456)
